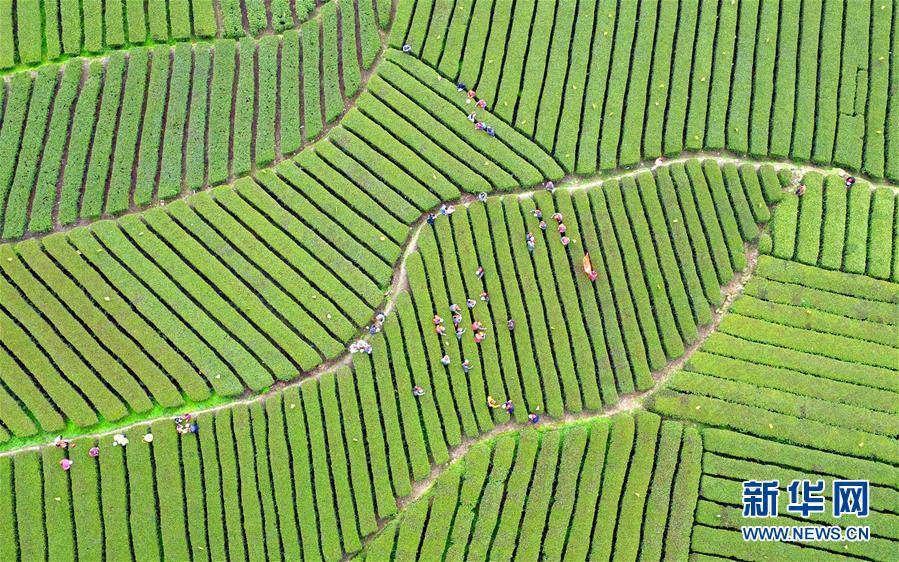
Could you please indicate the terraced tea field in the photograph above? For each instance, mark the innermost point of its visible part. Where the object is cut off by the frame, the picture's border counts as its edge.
(462, 280)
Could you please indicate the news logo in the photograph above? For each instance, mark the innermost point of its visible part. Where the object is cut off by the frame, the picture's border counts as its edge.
(806, 498)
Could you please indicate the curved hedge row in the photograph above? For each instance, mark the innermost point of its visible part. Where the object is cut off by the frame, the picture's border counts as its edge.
(96, 138)
(37, 31)
(601, 85)
(854, 229)
(234, 288)
(806, 356)
(565, 493)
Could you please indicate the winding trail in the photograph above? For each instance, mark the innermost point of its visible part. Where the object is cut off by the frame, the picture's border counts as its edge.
(400, 283)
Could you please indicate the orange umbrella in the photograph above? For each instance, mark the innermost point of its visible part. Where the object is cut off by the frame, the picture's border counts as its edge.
(588, 267)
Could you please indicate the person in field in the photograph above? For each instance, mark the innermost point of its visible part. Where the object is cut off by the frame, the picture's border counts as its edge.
(479, 337)
(65, 464)
(407, 48)
(850, 181)
(511, 324)
(485, 297)
(445, 360)
(460, 331)
(471, 303)
(183, 425)
(379, 317)
(490, 131)
(479, 273)
(562, 228)
(482, 197)
(557, 217)
(800, 190)
(550, 186)
(542, 226)
(480, 126)
(533, 418)
(431, 218)
(566, 241)
(418, 391)
(531, 241)
(119, 440)
(457, 319)
(62, 443)
(477, 326)
(492, 403)
(471, 95)
(461, 87)
(455, 308)
(482, 104)
(438, 320)
(440, 330)
(466, 366)
(538, 214)
(588, 267)
(374, 329)
(93, 452)
(472, 116)
(508, 406)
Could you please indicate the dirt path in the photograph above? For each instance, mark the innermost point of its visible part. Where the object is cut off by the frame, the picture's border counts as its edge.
(400, 283)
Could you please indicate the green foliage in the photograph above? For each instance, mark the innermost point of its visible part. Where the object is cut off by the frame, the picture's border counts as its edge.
(311, 49)
(330, 53)
(44, 191)
(220, 96)
(267, 82)
(289, 91)
(616, 90)
(32, 138)
(701, 77)
(151, 126)
(227, 291)
(134, 95)
(176, 121)
(243, 111)
(566, 137)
